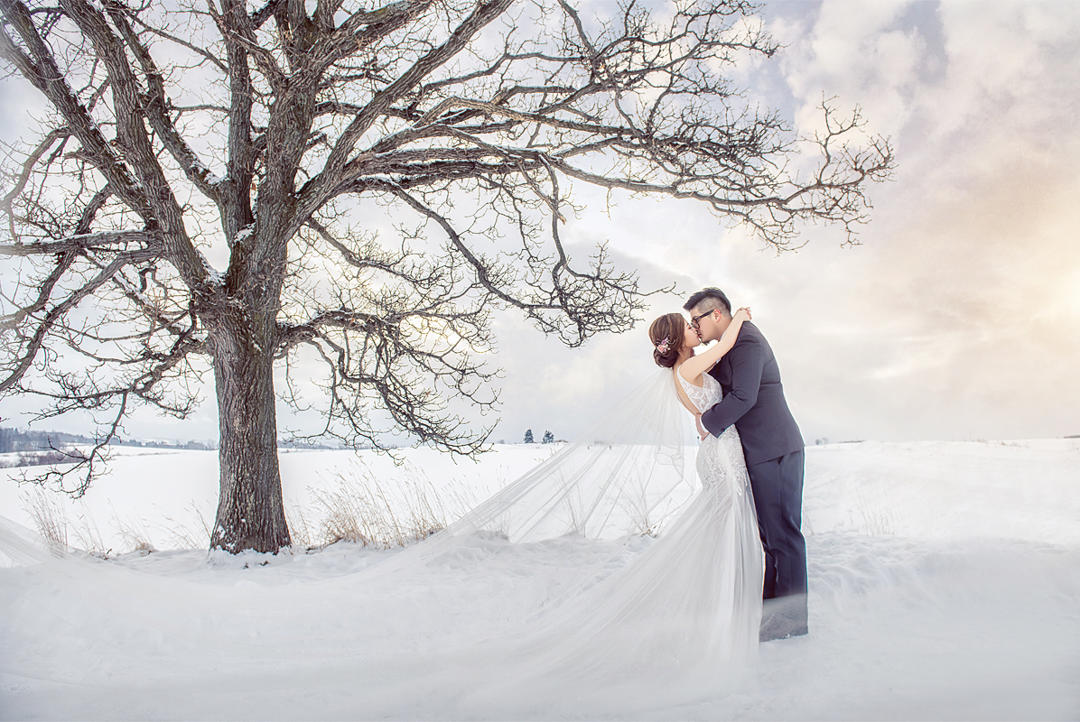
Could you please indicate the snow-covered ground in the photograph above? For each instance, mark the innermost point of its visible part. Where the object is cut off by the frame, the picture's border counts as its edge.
(945, 584)
(166, 499)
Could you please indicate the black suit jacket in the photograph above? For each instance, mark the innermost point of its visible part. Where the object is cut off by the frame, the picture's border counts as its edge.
(753, 400)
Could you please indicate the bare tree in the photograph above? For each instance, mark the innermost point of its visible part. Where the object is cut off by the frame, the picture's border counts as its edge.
(271, 140)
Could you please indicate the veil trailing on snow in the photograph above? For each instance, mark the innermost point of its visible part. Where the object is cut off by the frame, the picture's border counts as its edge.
(574, 596)
(633, 471)
(627, 478)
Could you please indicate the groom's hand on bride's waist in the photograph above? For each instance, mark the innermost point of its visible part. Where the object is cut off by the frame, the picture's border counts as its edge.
(702, 431)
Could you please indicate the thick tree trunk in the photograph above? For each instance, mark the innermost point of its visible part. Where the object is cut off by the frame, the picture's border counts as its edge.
(250, 512)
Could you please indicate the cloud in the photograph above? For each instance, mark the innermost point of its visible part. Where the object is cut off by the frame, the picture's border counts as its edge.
(916, 332)
(864, 52)
(954, 319)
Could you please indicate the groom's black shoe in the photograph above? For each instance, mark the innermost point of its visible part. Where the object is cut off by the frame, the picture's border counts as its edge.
(783, 618)
(771, 632)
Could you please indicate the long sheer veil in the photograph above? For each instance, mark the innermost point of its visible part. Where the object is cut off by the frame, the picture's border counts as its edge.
(612, 605)
(628, 475)
(623, 481)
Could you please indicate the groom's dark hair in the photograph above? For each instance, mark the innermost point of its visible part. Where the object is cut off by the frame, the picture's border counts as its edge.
(711, 293)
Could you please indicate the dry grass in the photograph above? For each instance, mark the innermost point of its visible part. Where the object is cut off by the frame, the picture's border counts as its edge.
(49, 518)
(299, 529)
(48, 510)
(135, 536)
(640, 513)
(181, 534)
(358, 508)
(362, 512)
(88, 537)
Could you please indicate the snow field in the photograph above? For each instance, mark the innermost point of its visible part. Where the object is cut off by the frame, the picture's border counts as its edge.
(945, 584)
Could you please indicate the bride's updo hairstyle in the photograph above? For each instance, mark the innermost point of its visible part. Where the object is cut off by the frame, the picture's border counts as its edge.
(667, 334)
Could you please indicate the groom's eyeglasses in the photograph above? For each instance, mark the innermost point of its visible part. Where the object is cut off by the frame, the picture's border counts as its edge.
(694, 319)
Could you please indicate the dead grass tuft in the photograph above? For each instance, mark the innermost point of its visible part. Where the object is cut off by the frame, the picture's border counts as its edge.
(361, 511)
(49, 518)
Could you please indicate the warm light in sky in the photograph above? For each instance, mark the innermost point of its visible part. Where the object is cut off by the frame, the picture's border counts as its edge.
(1071, 293)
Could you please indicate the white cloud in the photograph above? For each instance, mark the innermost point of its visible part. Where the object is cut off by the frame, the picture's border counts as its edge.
(858, 52)
(1010, 66)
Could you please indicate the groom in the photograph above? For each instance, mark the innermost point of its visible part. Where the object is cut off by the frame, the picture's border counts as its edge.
(754, 402)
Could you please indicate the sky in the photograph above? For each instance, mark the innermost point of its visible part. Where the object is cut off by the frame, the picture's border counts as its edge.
(958, 316)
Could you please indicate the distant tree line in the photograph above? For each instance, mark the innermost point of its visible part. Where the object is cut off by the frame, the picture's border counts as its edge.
(16, 440)
(12, 440)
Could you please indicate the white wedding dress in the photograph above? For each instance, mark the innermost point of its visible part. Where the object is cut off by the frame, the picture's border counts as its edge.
(685, 610)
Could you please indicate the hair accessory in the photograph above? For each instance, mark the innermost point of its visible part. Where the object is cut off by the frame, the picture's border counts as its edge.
(664, 345)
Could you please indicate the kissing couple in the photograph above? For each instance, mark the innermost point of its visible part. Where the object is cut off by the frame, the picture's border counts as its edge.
(678, 553)
(734, 391)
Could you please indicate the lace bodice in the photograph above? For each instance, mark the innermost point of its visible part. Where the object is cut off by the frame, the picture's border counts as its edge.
(720, 462)
(702, 396)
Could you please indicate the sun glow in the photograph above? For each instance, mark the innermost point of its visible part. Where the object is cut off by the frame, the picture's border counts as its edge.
(1071, 293)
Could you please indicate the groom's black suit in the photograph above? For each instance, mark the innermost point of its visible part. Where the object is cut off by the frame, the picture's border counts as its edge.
(754, 402)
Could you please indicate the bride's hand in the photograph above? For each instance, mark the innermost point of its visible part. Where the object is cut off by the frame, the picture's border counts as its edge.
(743, 314)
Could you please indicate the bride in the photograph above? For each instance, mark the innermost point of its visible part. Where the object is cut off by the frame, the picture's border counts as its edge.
(688, 607)
(712, 555)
